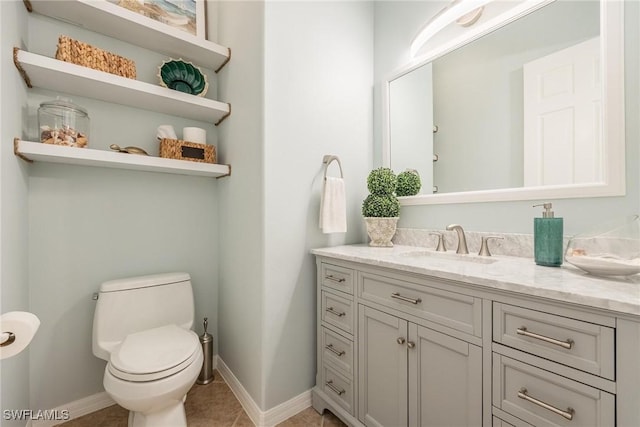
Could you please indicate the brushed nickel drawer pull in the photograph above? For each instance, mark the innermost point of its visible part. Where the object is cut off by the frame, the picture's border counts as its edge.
(411, 344)
(400, 340)
(335, 389)
(397, 295)
(333, 311)
(564, 344)
(335, 279)
(568, 414)
(329, 347)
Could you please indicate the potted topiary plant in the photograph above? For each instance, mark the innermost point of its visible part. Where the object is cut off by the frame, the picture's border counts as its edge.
(381, 207)
(408, 183)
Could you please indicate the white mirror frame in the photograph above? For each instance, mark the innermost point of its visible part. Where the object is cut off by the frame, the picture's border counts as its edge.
(613, 117)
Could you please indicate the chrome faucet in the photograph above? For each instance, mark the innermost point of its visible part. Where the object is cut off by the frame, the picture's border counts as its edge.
(462, 240)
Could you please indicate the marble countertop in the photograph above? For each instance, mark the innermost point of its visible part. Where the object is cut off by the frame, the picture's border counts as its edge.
(515, 274)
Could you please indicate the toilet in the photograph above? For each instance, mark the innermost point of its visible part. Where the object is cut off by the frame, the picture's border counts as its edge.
(142, 328)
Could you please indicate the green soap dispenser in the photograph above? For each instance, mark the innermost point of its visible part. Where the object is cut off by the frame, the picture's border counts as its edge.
(547, 238)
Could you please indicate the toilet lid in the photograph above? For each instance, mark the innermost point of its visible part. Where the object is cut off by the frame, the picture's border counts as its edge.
(154, 353)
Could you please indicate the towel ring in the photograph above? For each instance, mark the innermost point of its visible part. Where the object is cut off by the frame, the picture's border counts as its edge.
(327, 159)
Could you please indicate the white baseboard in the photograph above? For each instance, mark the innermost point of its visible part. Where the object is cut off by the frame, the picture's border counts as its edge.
(261, 418)
(77, 408)
(287, 409)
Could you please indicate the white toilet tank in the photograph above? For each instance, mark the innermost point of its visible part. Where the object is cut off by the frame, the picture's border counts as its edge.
(136, 304)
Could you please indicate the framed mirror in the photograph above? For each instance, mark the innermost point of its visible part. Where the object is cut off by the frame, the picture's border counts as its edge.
(524, 103)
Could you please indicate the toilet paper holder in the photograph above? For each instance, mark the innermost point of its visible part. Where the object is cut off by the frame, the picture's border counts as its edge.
(17, 329)
(10, 338)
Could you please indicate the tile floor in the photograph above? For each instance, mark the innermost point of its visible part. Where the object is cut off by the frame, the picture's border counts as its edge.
(211, 405)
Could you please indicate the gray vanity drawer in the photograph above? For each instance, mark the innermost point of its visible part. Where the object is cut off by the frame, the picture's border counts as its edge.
(578, 344)
(543, 398)
(507, 420)
(336, 277)
(497, 422)
(337, 311)
(456, 311)
(338, 387)
(337, 351)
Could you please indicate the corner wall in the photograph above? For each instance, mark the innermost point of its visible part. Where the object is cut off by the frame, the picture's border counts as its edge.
(318, 80)
(14, 291)
(241, 196)
(299, 82)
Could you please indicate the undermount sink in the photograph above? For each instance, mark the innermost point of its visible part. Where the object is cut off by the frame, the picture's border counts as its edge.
(451, 256)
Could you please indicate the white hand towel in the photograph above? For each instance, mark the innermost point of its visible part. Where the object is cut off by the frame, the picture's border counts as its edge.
(333, 206)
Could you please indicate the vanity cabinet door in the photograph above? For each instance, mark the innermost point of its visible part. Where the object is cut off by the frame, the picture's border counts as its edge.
(445, 380)
(382, 369)
(410, 375)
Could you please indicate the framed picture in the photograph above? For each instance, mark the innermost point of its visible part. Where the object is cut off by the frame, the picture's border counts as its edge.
(185, 15)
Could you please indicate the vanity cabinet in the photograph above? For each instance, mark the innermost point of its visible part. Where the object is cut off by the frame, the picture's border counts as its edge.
(412, 375)
(396, 351)
(401, 348)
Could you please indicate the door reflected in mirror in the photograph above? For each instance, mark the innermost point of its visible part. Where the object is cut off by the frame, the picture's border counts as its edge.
(411, 124)
(519, 108)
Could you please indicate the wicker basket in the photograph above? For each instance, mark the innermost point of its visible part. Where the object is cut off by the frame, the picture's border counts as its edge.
(185, 150)
(79, 53)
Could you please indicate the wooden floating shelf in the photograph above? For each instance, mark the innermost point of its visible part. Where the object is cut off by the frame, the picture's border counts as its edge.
(112, 20)
(49, 73)
(36, 151)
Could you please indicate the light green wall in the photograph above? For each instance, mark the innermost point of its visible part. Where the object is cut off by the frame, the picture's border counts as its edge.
(392, 51)
(318, 79)
(241, 196)
(14, 290)
(88, 225)
(299, 81)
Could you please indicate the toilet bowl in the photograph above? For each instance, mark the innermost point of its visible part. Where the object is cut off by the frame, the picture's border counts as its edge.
(151, 372)
(142, 328)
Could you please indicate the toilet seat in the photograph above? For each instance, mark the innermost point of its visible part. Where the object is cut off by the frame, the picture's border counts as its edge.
(154, 354)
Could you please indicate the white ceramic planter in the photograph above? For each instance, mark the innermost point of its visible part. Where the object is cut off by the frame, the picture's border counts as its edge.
(381, 230)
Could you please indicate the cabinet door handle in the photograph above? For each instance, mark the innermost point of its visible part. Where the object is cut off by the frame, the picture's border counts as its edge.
(335, 389)
(411, 344)
(397, 295)
(564, 344)
(329, 347)
(568, 414)
(335, 279)
(333, 311)
(400, 340)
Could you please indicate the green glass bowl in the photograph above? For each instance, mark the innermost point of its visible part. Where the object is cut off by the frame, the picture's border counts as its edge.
(183, 76)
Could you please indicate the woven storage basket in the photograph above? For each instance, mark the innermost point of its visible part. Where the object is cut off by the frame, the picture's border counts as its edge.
(80, 53)
(185, 150)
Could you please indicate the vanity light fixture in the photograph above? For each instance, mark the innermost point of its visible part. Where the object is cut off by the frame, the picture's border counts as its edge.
(468, 19)
(457, 9)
